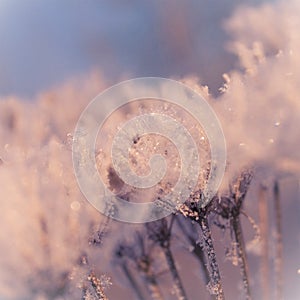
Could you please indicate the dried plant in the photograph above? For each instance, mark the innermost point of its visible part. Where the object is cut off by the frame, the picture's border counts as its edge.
(46, 224)
(190, 233)
(264, 229)
(230, 208)
(278, 243)
(138, 253)
(160, 233)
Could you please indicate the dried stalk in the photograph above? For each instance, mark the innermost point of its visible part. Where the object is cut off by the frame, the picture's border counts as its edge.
(132, 281)
(215, 278)
(230, 208)
(197, 249)
(139, 255)
(195, 212)
(264, 229)
(238, 194)
(144, 264)
(160, 233)
(278, 243)
(241, 252)
(152, 286)
(180, 292)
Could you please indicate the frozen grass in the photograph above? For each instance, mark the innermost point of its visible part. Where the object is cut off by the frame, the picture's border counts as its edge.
(50, 241)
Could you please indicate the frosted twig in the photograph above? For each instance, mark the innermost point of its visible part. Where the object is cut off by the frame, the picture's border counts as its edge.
(238, 194)
(215, 285)
(194, 212)
(241, 252)
(230, 208)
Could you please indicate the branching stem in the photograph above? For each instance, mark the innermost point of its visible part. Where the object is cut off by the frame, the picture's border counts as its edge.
(278, 243)
(215, 278)
(241, 252)
(132, 282)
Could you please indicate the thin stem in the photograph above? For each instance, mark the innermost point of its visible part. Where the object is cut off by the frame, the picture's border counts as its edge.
(264, 229)
(153, 287)
(180, 292)
(198, 252)
(197, 249)
(132, 281)
(85, 293)
(215, 278)
(241, 252)
(278, 242)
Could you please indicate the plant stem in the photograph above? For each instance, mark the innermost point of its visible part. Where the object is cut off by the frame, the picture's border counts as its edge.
(198, 252)
(278, 242)
(180, 292)
(215, 278)
(132, 281)
(153, 287)
(237, 229)
(197, 249)
(264, 229)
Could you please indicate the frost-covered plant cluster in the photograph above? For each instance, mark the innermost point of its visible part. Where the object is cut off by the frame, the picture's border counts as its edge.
(260, 106)
(53, 245)
(45, 223)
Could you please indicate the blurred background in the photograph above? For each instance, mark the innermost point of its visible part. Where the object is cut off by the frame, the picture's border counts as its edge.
(44, 43)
